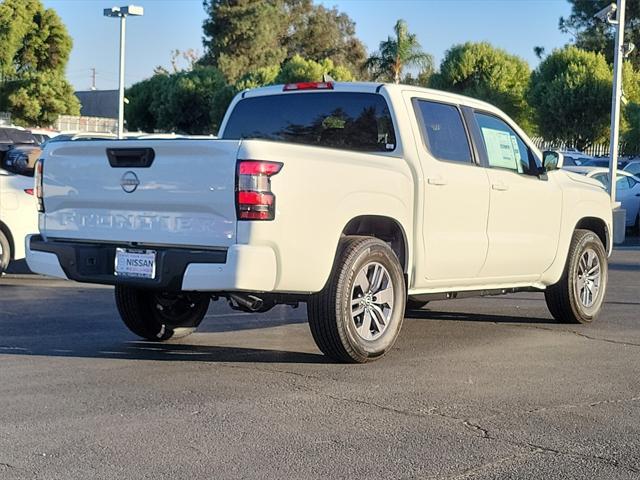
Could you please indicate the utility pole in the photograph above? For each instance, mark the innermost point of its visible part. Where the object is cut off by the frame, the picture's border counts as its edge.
(93, 78)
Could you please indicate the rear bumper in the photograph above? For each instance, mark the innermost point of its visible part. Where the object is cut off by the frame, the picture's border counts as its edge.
(241, 267)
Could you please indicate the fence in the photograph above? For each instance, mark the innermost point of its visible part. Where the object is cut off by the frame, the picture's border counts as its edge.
(595, 150)
(86, 124)
(5, 118)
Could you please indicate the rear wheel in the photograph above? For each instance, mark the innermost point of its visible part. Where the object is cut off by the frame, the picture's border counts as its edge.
(579, 295)
(358, 315)
(159, 316)
(5, 252)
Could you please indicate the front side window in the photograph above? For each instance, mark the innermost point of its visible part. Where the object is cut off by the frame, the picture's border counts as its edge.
(350, 121)
(443, 131)
(505, 149)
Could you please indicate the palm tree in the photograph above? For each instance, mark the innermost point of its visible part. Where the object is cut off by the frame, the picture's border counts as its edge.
(394, 54)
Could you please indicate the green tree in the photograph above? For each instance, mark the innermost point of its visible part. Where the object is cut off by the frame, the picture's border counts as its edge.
(145, 102)
(259, 78)
(35, 51)
(318, 33)
(570, 93)
(299, 69)
(631, 135)
(191, 102)
(397, 53)
(596, 36)
(243, 35)
(482, 71)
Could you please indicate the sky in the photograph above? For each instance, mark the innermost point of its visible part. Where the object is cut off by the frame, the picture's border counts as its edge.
(515, 25)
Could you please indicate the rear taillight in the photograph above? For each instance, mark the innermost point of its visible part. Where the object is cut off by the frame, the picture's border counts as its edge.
(28, 191)
(254, 199)
(38, 184)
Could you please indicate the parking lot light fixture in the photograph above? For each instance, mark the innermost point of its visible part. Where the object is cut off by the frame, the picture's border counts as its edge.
(122, 13)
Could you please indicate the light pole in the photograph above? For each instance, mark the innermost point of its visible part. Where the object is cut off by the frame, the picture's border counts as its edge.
(606, 15)
(122, 13)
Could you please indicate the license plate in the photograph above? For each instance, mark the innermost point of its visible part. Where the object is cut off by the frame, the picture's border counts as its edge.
(135, 263)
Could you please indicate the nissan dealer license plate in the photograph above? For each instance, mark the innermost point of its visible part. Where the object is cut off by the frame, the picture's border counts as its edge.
(135, 263)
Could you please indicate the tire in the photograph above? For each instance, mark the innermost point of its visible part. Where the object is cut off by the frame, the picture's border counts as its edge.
(339, 331)
(415, 304)
(567, 300)
(159, 316)
(5, 252)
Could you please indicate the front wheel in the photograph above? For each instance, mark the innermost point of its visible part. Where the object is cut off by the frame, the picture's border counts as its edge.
(579, 295)
(357, 316)
(159, 316)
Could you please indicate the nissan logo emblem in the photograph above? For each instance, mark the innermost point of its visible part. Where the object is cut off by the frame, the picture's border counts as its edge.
(129, 182)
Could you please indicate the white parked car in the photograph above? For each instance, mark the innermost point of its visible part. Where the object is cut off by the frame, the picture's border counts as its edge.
(351, 197)
(18, 216)
(627, 190)
(633, 167)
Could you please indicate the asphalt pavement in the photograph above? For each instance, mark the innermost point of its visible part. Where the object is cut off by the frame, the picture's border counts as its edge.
(486, 388)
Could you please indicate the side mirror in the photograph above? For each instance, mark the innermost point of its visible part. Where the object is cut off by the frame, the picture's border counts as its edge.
(552, 160)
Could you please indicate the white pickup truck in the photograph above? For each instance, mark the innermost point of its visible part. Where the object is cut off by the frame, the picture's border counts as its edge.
(359, 199)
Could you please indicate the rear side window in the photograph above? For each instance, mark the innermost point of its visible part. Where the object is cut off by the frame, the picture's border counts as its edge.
(350, 121)
(443, 131)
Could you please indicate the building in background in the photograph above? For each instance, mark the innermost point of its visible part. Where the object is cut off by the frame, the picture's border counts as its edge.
(98, 103)
(98, 113)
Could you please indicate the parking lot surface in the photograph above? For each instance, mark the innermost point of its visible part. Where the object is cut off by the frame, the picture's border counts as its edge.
(476, 388)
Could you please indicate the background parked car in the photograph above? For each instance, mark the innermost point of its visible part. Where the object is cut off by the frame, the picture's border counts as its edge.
(18, 215)
(603, 162)
(12, 138)
(633, 167)
(574, 158)
(627, 191)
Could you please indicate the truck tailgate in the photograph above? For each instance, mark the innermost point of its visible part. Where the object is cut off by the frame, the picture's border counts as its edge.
(185, 196)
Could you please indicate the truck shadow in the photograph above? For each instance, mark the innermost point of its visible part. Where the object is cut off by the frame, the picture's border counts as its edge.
(166, 352)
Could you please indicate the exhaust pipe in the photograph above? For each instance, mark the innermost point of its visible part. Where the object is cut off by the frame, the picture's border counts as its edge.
(245, 302)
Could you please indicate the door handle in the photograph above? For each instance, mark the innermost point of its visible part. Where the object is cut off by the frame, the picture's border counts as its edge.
(436, 181)
(501, 187)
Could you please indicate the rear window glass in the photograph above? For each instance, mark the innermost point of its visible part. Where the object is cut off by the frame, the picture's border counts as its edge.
(444, 131)
(350, 121)
(12, 135)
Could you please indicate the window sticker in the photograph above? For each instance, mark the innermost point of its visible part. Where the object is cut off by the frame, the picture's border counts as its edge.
(516, 148)
(502, 149)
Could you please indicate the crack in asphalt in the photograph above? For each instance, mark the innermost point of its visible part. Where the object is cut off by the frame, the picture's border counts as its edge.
(473, 471)
(582, 405)
(482, 432)
(579, 334)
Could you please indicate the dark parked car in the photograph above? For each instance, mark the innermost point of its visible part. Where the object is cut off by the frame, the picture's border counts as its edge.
(603, 162)
(19, 150)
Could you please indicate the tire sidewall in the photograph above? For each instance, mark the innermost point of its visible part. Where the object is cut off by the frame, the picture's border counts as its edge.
(5, 255)
(584, 314)
(380, 253)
